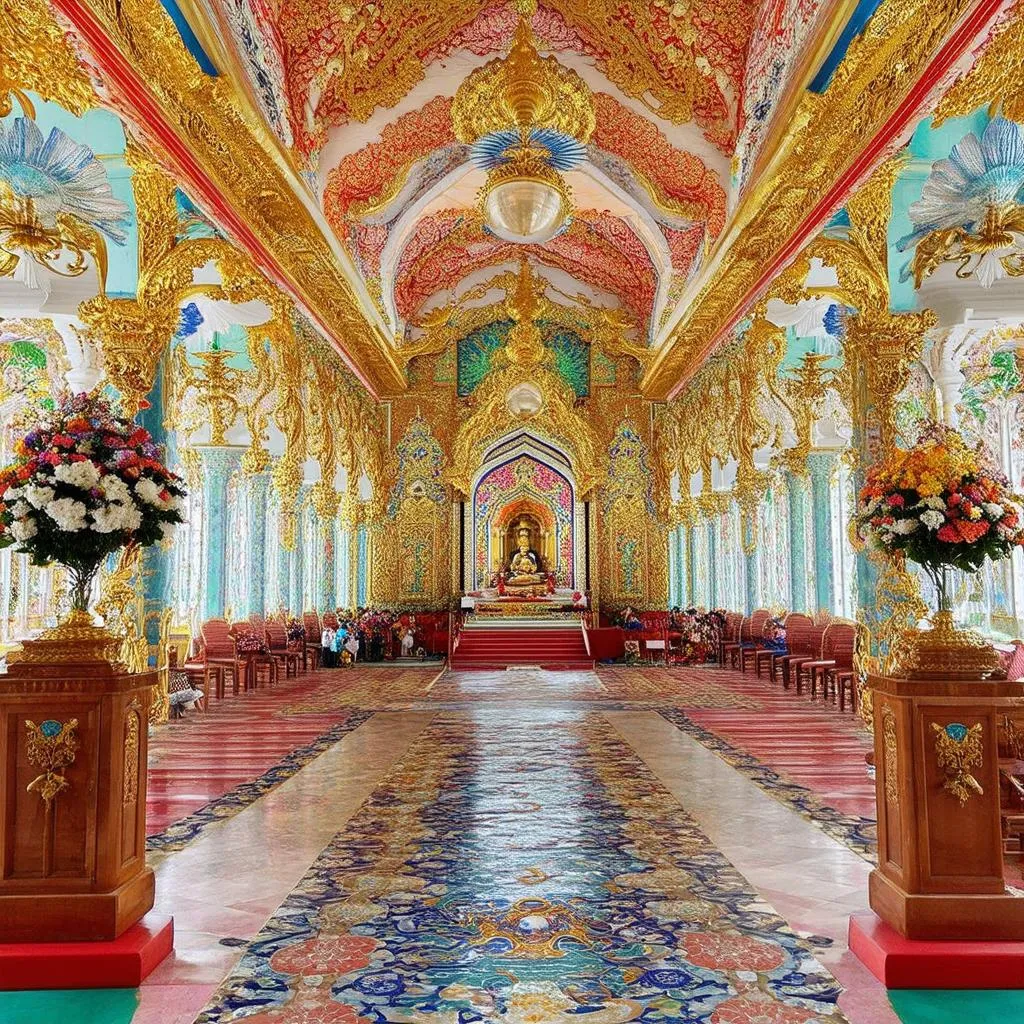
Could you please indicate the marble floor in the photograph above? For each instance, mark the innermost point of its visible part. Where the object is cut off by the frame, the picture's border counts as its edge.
(510, 847)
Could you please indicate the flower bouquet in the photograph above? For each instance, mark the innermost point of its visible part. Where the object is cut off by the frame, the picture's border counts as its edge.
(942, 505)
(86, 483)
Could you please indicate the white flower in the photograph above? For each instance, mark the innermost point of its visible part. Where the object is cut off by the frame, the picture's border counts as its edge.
(67, 513)
(23, 529)
(39, 496)
(13, 494)
(79, 474)
(933, 501)
(993, 510)
(167, 530)
(116, 516)
(149, 491)
(108, 519)
(932, 519)
(21, 509)
(115, 489)
(904, 526)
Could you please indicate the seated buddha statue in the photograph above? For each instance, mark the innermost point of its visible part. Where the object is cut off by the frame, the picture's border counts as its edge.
(524, 566)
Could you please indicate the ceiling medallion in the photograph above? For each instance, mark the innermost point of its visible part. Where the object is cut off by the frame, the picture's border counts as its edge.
(528, 119)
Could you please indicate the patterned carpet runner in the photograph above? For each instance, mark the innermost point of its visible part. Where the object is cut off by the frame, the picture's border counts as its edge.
(524, 867)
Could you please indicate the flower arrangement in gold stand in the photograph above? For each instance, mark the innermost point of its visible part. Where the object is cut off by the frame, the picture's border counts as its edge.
(86, 483)
(943, 505)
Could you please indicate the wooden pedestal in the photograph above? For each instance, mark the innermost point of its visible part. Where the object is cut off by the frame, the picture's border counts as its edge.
(940, 859)
(72, 867)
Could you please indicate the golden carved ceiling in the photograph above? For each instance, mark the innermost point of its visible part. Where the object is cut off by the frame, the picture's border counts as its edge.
(321, 136)
(362, 94)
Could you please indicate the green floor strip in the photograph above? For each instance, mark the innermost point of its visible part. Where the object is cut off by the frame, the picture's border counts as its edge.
(957, 1006)
(69, 1006)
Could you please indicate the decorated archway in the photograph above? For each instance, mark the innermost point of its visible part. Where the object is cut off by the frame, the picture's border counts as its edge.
(528, 479)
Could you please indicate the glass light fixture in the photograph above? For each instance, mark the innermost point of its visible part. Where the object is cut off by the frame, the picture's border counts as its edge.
(525, 200)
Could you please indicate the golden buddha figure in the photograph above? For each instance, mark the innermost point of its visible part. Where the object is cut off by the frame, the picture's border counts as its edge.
(524, 567)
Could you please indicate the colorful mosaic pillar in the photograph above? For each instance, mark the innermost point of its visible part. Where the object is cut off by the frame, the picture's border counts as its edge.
(713, 562)
(327, 598)
(691, 562)
(751, 587)
(259, 490)
(297, 574)
(796, 489)
(218, 462)
(157, 576)
(362, 564)
(821, 465)
(284, 574)
(682, 566)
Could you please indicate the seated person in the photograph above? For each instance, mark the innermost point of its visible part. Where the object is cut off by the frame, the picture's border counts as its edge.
(630, 619)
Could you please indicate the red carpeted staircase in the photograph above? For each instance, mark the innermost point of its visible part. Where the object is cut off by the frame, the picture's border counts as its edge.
(498, 646)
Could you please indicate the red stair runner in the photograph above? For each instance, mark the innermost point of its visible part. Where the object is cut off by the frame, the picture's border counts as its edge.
(501, 646)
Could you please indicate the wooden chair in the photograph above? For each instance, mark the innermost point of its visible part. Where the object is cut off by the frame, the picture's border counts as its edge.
(730, 635)
(311, 649)
(654, 635)
(219, 657)
(277, 642)
(750, 632)
(797, 631)
(255, 664)
(841, 679)
(748, 655)
(815, 637)
(839, 639)
(772, 658)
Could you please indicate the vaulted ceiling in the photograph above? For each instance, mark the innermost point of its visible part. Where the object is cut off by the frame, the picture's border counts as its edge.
(322, 136)
(362, 95)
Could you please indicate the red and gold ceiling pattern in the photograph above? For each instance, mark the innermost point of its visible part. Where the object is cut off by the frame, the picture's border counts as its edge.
(598, 249)
(684, 60)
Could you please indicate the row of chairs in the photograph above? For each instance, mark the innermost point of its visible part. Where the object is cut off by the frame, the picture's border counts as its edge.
(818, 655)
(218, 659)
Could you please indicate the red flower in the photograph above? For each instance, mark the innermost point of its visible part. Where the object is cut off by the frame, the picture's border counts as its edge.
(896, 500)
(722, 951)
(948, 534)
(972, 531)
(336, 954)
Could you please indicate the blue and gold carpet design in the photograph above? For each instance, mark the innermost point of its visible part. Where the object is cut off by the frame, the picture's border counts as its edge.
(525, 869)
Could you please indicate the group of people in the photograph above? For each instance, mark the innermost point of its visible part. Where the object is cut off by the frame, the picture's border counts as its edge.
(367, 634)
(693, 633)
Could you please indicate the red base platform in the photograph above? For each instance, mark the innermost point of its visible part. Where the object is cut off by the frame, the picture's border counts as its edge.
(916, 963)
(122, 963)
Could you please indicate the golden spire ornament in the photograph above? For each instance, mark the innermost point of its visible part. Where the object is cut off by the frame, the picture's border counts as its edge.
(528, 118)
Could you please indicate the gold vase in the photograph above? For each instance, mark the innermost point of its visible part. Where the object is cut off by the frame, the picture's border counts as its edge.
(942, 652)
(73, 641)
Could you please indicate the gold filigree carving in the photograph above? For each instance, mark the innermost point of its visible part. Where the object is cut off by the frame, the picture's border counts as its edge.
(132, 724)
(243, 168)
(889, 746)
(51, 748)
(958, 749)
(995, 76)
(36, 57)
(875, 76)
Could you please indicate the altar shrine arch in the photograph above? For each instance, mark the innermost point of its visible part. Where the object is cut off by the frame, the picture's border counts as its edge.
(525, 478)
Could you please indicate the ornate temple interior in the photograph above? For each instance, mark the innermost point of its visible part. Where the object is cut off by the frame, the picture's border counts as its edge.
(511, 511)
